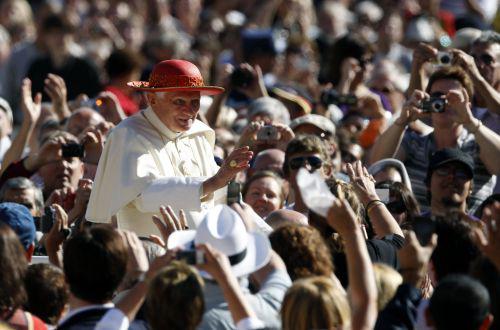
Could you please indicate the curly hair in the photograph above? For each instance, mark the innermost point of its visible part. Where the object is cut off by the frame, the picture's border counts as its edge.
(303, 250)
(13, 266)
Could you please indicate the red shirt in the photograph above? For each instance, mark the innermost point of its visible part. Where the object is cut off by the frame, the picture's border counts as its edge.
(128, 103)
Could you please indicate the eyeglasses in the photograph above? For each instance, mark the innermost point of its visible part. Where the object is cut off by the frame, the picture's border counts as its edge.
(396, 207)
(484, 58)
(458, 173)
(298, 162)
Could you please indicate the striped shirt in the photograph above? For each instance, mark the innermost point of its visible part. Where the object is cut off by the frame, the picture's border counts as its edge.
(418, 150)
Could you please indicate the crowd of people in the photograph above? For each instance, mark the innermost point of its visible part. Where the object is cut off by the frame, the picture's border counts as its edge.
(278, 164)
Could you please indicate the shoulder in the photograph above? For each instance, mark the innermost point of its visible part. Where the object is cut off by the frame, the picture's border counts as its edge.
(135, 124)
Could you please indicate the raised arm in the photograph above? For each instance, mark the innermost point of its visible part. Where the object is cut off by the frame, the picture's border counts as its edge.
(364, 185)
(31, 109)
(488, 94)
(488, 141)
(362, 287)
(423, 53)
(388, 144)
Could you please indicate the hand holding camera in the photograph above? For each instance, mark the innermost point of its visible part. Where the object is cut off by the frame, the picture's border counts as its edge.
(412, 109)
(248, 80)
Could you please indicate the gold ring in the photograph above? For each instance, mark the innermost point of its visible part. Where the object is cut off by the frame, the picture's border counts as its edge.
(233, 163)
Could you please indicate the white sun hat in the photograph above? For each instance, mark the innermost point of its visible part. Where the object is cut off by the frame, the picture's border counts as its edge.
(224, 230)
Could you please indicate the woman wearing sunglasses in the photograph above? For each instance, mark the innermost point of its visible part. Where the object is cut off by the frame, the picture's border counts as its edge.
(401, 203)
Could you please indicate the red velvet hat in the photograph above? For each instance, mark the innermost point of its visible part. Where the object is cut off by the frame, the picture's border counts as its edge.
(175, 76)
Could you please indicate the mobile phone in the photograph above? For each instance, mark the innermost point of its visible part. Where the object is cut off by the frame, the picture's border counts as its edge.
(48, 219)
(383, 194)
(423, 227)
(233, 193)
(73, 150)
(191, 257)
(268, 133)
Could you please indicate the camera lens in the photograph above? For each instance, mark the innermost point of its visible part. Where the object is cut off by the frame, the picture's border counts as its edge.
(438, 105)
(445, 59)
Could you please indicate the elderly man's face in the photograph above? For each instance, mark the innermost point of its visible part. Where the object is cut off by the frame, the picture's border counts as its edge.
(176, 110)
(450, 185)
(25, 197)
(487, 57)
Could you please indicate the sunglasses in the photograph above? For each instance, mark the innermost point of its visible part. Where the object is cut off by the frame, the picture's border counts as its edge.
(298, 162)
(459, 173)
(484, 58)
(396, 207)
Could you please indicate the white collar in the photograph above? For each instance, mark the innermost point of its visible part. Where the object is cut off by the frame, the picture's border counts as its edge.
(159, 125)
(75, 311)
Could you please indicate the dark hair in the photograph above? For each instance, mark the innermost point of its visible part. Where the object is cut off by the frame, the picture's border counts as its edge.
(401, 193)
(350, 45)
(485, 272)
(453, 73)
(266, 174)
(121, 62)
(175, 298)
(57, 22)
(305, 143)
(459, 302)
(13, 265)
(47, 292)
(95, 261)
(455, 251)
(303, 250)
(23, 183)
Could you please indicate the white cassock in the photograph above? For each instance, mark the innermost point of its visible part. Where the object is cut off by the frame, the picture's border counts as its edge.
(144, 165)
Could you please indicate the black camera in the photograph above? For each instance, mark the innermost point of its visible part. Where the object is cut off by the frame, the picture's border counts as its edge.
(73, 150)
(434, 104)
(241, 78)
(444, 58)
(191, 257)
(48, 219)
(333, 97)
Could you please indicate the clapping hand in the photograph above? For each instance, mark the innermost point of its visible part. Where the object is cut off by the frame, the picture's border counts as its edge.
(55, 87)
(30, 107)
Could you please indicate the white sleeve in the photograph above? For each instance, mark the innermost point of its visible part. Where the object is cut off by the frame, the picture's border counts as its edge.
(114, 319)
(183, 192)
(250, 323)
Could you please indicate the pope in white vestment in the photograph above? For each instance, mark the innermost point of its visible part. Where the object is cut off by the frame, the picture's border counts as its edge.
(146, 164)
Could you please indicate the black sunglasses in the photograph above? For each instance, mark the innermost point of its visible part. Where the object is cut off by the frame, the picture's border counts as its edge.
(396, 207)
(298, 162)
(485, 58)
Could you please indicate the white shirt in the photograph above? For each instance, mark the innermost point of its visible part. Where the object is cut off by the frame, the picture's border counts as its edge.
(144, 165)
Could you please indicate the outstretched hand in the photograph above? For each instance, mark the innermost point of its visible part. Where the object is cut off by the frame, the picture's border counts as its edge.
(169, 223)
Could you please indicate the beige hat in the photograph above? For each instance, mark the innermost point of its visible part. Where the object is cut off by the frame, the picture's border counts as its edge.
(316, 120)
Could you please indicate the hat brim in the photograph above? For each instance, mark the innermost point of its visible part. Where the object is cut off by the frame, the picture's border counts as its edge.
(257, 255)
(205, 90)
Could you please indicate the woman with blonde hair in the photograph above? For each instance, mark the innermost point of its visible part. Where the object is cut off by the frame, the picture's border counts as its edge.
(315, 303)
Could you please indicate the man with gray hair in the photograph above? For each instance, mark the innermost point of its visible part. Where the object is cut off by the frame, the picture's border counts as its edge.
(23, 191)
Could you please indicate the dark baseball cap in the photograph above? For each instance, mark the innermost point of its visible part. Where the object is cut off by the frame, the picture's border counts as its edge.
(450, 155)
(20, 220)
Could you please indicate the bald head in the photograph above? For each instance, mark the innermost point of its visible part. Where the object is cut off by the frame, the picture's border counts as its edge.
(82, 119)
(270, 159)
(282, 217)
